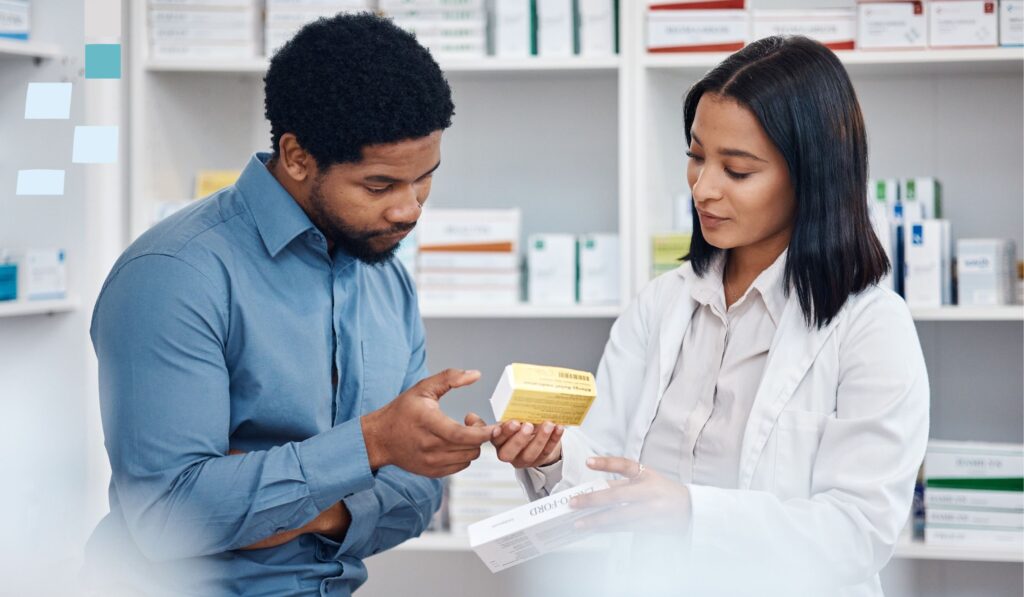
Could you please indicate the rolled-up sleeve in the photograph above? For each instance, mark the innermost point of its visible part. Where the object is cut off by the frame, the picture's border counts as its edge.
(159, 332)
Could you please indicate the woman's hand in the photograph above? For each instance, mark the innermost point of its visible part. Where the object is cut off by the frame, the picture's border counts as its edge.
(644, 501)
(525, 445)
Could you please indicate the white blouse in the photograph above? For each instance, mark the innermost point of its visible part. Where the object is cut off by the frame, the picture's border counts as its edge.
(696, 434)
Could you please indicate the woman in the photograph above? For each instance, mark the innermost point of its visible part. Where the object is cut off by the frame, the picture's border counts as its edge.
(767, 401)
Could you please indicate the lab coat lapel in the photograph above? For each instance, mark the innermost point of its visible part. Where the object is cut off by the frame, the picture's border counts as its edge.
(793, 350)
(671, 327)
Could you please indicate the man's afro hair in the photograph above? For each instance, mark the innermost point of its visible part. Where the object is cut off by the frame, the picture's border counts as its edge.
(351, 81)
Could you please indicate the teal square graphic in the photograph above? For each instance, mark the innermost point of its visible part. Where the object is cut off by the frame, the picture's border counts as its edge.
(103, 61)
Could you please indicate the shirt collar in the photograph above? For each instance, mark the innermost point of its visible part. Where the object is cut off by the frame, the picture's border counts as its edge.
(279, 219)
(770, 284)
(709, 290)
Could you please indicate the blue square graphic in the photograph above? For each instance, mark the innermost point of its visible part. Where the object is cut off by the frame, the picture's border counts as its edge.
(103, 61)
(95, 145)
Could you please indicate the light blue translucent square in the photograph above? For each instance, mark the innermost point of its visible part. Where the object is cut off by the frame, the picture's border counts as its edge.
(95, 145)
(48, 101)
(40, 182)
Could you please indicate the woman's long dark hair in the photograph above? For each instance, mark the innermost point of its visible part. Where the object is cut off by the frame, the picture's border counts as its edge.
(800, 93)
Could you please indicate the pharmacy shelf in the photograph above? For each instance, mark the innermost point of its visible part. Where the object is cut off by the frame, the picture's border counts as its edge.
(875, 62)
(919, 550)
(906, 549)
(955, 313)
(480, 65)
(438, 541)
(446, 542)
(26, 308)
(28, 49)
(519, 311)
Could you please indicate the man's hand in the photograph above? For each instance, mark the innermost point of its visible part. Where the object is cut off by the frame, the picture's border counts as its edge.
(412, 433)
(525, 445)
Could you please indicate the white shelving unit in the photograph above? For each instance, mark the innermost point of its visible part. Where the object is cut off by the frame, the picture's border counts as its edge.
(956, 313)
(28, 49)
(483, 65)
(867, 62)
(49, 307)
(906, 549)
(519, 311)
(596, 145)
(918, 550)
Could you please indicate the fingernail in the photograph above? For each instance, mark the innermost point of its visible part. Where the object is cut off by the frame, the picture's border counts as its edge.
(514, 426)
(528, 428)
(496, 432)
(591, 462)
(548, 427)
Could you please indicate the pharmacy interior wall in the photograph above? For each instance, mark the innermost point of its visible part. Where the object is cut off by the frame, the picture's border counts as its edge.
(44, 367)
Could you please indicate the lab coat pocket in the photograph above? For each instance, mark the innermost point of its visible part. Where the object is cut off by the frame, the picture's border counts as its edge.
(797, 437)
(384, 368)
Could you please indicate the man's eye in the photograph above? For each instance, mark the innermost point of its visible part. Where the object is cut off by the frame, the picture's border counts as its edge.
(378, 190)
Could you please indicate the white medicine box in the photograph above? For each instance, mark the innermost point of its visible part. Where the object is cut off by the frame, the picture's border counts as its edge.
(697, 30)
(555, 27)
(835, 28)
(551, 269)
(963, 24)
(1011, 23)
(511, 23)
(45, 274)
(928, 256)
(891, 25)
(598, 269)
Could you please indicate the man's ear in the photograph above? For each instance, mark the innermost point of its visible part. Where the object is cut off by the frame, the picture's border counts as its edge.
(295, 161)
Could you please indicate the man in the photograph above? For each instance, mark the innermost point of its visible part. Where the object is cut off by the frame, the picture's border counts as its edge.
(252, 347)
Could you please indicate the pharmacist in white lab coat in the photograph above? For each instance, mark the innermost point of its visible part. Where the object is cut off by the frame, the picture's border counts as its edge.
(765, 405)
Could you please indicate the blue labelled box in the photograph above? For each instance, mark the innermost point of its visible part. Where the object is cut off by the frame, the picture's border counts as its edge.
(8, 281)
(103, 61)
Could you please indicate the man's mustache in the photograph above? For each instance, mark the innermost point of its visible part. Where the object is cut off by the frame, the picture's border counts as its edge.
(397, 229)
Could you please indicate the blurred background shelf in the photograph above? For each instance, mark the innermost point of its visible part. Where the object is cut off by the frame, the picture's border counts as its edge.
(919, 550)
(26, 308)
(480, 65)
(957, 313)
(519, 311)
(980, 60)
(28, 49)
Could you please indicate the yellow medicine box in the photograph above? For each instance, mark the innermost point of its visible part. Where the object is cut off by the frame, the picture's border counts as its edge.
(534, 394)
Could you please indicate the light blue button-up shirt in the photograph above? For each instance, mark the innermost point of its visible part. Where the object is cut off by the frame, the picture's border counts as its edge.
(218, 330)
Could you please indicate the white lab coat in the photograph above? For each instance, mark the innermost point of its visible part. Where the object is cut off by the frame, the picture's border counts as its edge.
(827, 464)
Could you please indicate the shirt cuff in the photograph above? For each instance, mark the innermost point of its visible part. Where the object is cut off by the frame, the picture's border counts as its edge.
(364, 510)
(544, 478)
(335, 464)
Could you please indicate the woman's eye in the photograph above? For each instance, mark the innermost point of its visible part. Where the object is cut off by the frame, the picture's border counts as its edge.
(694, 156)
(736, 175)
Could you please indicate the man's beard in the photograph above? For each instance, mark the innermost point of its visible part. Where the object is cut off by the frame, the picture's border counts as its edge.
(349, 239)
